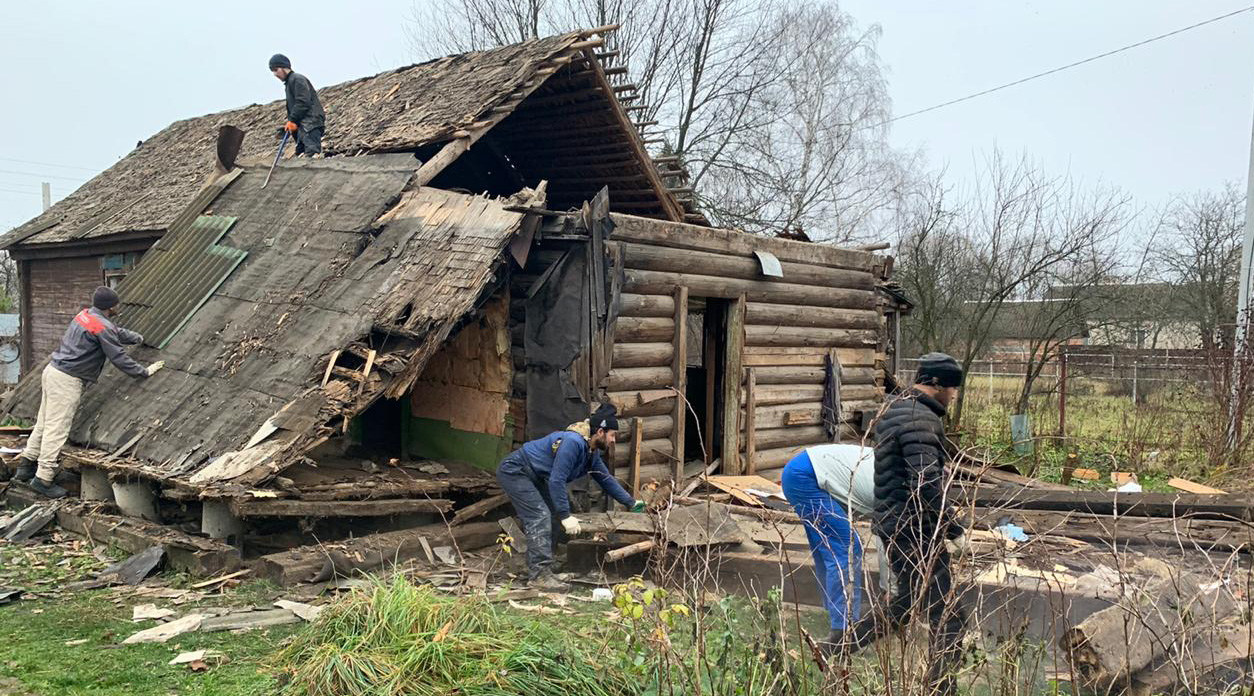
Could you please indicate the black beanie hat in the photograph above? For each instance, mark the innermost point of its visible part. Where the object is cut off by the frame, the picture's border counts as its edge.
(939, 370)
(104, 298)
(279, 60)
(605, 417)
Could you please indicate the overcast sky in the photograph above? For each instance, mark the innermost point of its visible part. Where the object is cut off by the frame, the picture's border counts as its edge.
(85, 80)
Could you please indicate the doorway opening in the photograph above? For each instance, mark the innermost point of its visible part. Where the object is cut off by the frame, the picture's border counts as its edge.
(707, 354)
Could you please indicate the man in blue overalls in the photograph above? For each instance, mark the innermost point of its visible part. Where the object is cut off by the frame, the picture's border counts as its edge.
(535, 477)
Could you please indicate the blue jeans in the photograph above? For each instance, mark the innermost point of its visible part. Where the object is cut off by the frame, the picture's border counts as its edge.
(529, 493)
(836, 548)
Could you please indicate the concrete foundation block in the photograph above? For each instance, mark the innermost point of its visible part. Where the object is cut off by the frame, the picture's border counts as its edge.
(217, 521)
(94, 484)
(137, 499)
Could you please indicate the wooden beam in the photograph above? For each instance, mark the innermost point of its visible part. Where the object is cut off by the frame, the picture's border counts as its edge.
(277, 507)
(637, 448)
(732, 378)
(710, 341)
(751, 404)
(1165, 505)
(479, 508)
(446, 156)
(679, 379)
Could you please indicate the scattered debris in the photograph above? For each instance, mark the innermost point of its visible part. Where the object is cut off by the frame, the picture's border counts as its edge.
(166, 631)
(79, 641)
(1086, 474)
(434, 468)
(131, 571)
(602, 594)
(28, 522)
(306, 612)
(1012, 532)
(9, 596)
(1121, 477)
(199, 660)
(446, 554)
(149, 612)
(247, 620)
(518, 540)
(221, 580)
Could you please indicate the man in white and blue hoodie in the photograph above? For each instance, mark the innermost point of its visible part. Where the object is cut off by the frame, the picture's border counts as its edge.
(535, 477)
(91, 339)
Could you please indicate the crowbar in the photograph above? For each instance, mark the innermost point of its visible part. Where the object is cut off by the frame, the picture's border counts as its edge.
(277, 156)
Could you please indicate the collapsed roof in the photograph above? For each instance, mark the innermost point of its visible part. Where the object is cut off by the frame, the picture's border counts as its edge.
(523, 93)
(339, 255)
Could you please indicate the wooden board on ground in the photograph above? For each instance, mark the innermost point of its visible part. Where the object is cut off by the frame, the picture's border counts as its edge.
(1168, 505)
(1190, 487)
(277, 507)
(700, 526)
(739, 487)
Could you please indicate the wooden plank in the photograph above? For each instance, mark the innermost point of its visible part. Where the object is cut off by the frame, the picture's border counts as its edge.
(629, 378)
(442, 159)
(1190, 487)
(478, 509)
(633, 305)
(644, 329)
(751, 405)
(732, 378)
(365, 373)
(1166, 505)
(326, 376)
(767, 314)
(786, 336)
(654, 282)
(649, 257)
(643, 355)
(277, 507)
(711, 342)
(637, 446)
(679, 379)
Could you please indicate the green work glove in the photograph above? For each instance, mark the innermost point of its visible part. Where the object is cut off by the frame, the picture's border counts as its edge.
(638, 507)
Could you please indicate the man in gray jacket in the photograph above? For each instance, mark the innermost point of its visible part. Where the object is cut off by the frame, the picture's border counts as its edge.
(88, 342)
(305, 117)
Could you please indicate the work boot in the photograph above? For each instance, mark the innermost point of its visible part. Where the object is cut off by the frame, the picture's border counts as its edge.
(47, 490)
(25, 471)
(546, 581)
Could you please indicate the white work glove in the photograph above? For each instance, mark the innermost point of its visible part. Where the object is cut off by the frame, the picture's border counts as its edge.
(153, 368)
(571, 525)
(959, 546)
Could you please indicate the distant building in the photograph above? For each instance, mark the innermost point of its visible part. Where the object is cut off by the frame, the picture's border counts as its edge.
(1138, 315)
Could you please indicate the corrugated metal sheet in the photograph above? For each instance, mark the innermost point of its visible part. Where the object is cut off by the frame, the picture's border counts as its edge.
(178, 275)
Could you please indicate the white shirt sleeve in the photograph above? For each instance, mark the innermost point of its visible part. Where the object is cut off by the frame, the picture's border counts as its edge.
(847, 472)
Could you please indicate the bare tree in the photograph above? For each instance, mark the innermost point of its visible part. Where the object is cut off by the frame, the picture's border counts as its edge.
(776, 111)
(1017, 226)
(1199, 255)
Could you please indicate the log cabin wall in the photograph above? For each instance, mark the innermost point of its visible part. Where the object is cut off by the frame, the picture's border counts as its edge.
(779, 335)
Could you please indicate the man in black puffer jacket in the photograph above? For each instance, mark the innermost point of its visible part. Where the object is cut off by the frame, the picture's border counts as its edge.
(914, 518)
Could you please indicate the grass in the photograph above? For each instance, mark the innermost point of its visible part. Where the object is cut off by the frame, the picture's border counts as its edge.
(1172, 433)
(36, 659)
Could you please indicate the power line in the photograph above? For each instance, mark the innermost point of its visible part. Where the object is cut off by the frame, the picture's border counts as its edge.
(43, 176)
(49, 164)
(32, 194)
(1068, 66)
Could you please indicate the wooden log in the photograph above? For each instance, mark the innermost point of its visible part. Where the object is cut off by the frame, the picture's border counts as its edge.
(768, 314)
(810, 338)
(785, 394)
(679, 379)
(361, 554)
(733, 376)
(631, 550)
(656, 451)
(660, 258)
(805, 414)
(683, 236)
(1113, 645)
(643, 329)
(643, 354)
(656, 282)
(806, 374)
(774, 438)
(279, 507)
(802, 356)
(652, 402)
(479, 508)
(633, 305)
(655, 427)
(629, 378)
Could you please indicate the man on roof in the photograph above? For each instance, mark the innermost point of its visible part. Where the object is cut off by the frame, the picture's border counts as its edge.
(305, 117)
(76, 364)
(535, 477)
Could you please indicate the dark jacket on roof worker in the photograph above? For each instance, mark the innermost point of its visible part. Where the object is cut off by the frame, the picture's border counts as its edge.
(305, 117)
(91, 339)
(535, 477)
(915, 519)
(825, 484)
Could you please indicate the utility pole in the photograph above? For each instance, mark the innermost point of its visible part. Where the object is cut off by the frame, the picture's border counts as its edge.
(47, 188)
(1243, 306)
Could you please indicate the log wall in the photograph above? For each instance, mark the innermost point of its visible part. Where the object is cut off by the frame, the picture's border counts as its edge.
(825, 303)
